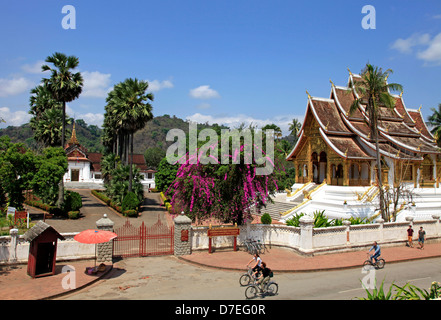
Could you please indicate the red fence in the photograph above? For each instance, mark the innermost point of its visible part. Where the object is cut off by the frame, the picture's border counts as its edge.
(141, 241)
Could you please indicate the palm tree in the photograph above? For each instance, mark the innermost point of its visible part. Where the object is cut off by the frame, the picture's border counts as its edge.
(65, 86)
(129, 109)
(373, 92)
(294, 128)
(48, 127)
(47, 117)
(435, 122)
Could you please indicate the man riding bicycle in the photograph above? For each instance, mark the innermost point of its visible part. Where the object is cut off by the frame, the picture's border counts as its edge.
(377, 252)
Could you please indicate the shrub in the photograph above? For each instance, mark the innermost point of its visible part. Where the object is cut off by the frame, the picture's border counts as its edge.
(73, 201)
(295, 221)
(73, 214)
(266, 218)
(130, 213)
(130, 202)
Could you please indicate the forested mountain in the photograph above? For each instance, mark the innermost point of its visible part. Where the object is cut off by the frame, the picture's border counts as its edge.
(89, 136)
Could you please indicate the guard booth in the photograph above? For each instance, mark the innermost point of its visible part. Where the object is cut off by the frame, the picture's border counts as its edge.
(42, 249)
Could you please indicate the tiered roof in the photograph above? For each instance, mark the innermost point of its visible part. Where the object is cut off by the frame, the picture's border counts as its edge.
(403, 133)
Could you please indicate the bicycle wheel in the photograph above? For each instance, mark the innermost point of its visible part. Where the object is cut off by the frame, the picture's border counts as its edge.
(251, 292)
(367, 265)
(245, 280)
(381, 263)
(272, 289)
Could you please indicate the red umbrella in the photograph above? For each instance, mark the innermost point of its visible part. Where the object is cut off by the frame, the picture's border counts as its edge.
(93, 236)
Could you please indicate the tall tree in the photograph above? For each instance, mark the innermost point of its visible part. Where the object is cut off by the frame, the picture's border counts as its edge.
(373, 92)
(435, 122)
(65, 85)
(294, 128)
(129, 109)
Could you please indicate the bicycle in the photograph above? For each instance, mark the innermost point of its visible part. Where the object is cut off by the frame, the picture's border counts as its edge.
(250, 246)
(377, 265)
(253, 246)
(253, 290)
(247, 277)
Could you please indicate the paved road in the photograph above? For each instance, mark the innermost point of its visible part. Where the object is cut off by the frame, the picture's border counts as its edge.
(93, 210)
(168, 278)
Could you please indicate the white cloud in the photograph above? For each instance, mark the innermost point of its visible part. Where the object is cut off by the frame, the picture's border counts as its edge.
(33, 68)
(204, 92)
(14, 118)
(427, 48)
(433, 52)
(157, 85)
(96, 84)
(11, 87)
(437, 16)
(283, 121)
(406, 45)
(89, 117)
(92, 118)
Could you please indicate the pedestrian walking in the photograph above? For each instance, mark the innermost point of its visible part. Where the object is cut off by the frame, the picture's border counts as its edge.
(410, 236)
(421, 237)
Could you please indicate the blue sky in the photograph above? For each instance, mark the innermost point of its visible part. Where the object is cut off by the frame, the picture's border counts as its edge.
(219, 60)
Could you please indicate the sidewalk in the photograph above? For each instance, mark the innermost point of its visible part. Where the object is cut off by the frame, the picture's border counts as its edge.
(287, 260)
(15, 284)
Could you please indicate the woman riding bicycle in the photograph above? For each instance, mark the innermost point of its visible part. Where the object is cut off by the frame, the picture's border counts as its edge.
(377, 252)
(257, 265)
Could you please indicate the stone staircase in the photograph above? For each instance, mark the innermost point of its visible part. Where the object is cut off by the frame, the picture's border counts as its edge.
(275, 209)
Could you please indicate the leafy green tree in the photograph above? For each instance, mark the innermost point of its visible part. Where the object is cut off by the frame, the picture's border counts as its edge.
(153, 156)
(277, 130)
(373, 91)
(118, 186)
(165, 175)
(50, 168)
(17, 165)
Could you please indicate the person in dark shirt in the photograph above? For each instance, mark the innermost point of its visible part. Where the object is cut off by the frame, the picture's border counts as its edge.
(421, 237)
(377, 251)
(409, 236)
(264, 277)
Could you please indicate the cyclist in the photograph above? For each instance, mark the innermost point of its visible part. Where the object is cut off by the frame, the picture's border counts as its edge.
(257, 265)
(377, 252)
(264, 277)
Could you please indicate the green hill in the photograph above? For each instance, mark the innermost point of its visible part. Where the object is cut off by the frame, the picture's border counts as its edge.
(89, 136)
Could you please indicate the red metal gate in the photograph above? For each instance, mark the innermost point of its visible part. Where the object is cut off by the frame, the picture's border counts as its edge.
(142, 241)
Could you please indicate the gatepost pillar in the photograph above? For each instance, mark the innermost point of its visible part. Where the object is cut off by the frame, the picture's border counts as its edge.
(13, 246)
(182, 237)
(306, 224)
(104, 250)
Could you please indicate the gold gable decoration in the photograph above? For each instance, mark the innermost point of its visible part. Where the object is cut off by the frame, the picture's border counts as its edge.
(73, 139)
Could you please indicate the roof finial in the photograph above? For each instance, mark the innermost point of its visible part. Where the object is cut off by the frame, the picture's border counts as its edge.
(419, 109)
(387, 76)
(350, 71)
(309, 96)
(401, 94)
(73, 138)
(332, 83)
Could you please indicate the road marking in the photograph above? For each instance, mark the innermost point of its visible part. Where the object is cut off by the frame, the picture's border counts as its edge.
(345, 291)
(418, 279)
